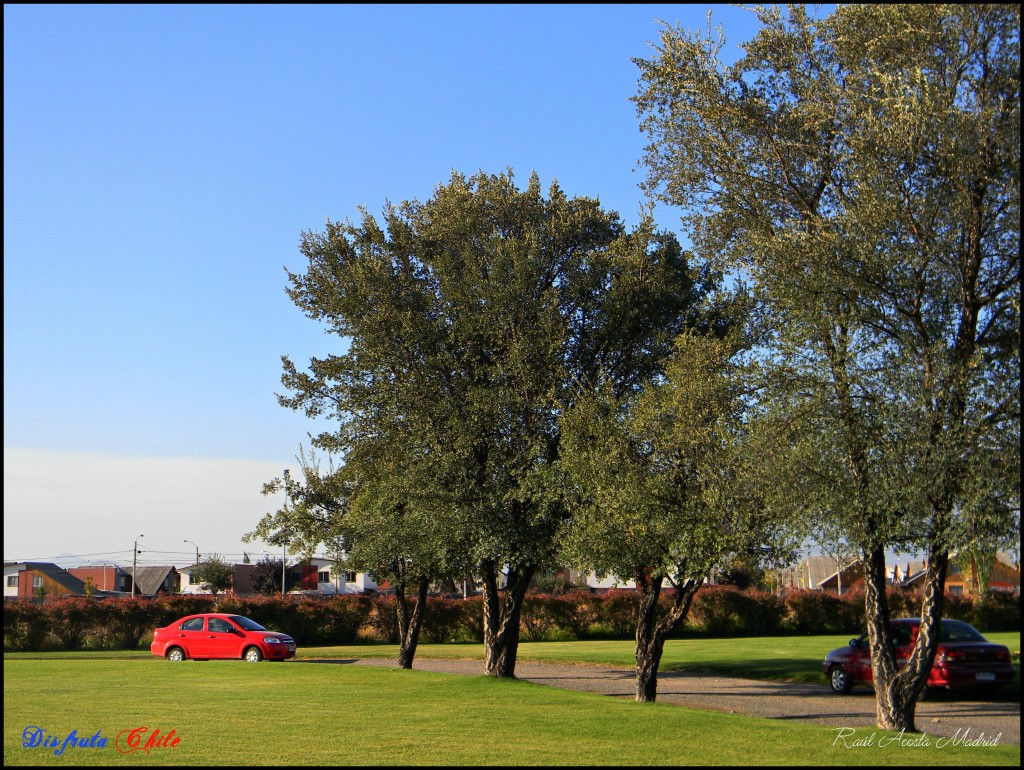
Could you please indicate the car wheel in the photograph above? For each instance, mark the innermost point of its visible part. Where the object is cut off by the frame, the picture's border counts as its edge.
(839, 680)
(176, 655)
(253, 655)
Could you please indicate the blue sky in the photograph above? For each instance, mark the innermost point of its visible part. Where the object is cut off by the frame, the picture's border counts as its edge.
(160, 165)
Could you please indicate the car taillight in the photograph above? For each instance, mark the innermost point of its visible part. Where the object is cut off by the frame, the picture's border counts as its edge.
(1003, 656)
(950, 656)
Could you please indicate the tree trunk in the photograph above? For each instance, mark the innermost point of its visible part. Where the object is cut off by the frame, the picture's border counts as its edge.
(409, 624)
(652, 633)
(501, 619)
(898, 689)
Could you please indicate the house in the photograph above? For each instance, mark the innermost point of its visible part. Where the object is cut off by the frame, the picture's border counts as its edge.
(186, 585)
(151, 581)
(318, 574)
(312, 575)
(961, 579)
(32, 579)
(104, 577)
(846, 579)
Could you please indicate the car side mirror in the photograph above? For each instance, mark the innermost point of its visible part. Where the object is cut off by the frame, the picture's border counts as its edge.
(855, 643)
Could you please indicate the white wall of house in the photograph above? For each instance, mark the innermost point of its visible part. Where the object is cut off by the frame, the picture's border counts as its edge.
(11, 578)
(187, 586)
(610, 581)
(328, 582)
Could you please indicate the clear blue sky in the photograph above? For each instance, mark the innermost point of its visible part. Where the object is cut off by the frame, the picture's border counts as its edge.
(160, 165)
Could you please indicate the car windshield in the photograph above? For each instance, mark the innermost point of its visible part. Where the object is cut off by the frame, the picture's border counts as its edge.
(246, 623)
(955, 631)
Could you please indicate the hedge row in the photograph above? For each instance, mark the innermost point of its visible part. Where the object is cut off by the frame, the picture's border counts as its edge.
(717, 611)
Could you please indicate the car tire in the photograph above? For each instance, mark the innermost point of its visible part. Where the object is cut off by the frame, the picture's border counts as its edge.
(252, 655)
(839, 680)
(175, 655)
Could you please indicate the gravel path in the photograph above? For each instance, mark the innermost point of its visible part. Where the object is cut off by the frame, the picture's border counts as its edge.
(810, 703)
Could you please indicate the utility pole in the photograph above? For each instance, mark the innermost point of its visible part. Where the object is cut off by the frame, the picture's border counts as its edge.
(135, 562)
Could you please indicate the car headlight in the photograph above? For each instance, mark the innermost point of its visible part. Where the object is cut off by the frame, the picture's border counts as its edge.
(271, 640)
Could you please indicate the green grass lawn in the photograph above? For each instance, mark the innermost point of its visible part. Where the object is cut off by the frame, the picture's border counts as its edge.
(789, 658)
(228, 712)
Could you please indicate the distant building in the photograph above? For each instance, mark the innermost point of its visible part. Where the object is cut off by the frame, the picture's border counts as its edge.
(32, 579)
(961, 577)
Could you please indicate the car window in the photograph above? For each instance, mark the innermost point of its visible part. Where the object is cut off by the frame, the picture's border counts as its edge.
(195, 624)
(955, 631)
(220, 626)
(901, 635)
(247, 624)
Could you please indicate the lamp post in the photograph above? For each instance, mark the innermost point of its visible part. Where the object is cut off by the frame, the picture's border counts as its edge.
(285, 533)
(197, 549)
(135, 561)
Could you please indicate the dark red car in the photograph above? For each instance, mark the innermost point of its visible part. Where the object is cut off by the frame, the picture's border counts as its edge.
(964, 660)
(220, 635)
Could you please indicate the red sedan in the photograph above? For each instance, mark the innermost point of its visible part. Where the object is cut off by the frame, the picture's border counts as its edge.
(219, 635)
(964, 660)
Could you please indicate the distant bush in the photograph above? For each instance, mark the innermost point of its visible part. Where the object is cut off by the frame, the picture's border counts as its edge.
(728, 611)
(25, 626)
(717, 611)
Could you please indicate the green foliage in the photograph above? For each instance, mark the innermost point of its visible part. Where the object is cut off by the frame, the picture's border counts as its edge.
(861, 174)
(470, 320)
(214, 574)
(266, 577)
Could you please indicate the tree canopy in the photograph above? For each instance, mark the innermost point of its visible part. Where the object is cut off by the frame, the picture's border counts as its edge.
(471, 320)
(861, 173)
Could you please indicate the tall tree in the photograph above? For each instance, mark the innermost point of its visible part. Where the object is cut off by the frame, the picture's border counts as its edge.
(470, 318)
(862, 172)
(661, 489)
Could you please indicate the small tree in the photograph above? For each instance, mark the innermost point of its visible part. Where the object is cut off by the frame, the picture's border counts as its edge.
(266, 577)
(214, 574)
(656, 484)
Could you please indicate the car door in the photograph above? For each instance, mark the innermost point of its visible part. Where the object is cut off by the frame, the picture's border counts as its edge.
(861, 662)
(903, 637)
(223, 639)
(191, 636)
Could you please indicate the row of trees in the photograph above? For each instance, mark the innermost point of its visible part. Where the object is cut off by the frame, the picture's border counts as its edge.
(524, 380)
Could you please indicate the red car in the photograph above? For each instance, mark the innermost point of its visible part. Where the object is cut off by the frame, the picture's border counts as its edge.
(964, 660)
(219, 635)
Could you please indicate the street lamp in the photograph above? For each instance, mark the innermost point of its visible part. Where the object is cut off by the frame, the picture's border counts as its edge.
(197, 549)
(135, 561)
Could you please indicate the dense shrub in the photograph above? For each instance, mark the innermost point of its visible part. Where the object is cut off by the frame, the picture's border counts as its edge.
(112, 623)
(573, 614)
(471, 620)
(442, 619)
(616, 612)
(126, 620)
(70, 620)
(25, 626)
(536, 621)
(996, 611)
(728, 611)
(822, 612)
(381, 620)
(344, 617)
(173, 606)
